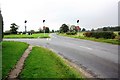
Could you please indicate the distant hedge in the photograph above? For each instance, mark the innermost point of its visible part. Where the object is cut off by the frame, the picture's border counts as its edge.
(71, 33)
(106, 35)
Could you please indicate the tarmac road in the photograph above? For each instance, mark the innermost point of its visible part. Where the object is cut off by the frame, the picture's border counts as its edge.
(99, 59)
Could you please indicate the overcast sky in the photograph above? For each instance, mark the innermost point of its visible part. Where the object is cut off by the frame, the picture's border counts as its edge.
(91, 13)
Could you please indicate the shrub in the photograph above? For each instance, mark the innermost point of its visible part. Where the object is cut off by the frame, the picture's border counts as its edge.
(88, 34)
(118, 33)
(71, 33)
(117, 37)
(7, 33)
(23, 32)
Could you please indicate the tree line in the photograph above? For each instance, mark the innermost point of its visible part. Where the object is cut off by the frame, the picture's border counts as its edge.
(116, 28)
(65, 28)
(14, 27)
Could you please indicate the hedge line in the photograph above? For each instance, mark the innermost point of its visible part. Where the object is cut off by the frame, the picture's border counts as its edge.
(106, 35)
(71, 33)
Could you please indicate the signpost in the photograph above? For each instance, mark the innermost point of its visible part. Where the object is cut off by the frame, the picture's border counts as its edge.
(25, 26)
(44, 26)
(78, 28)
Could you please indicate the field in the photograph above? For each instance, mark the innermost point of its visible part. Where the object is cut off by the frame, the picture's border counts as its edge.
(11, 53)
(43, 63)
(39, 35)
(81, 36)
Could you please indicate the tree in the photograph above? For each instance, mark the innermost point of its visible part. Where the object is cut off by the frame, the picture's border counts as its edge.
(32, 31)
(53, 31)
(64, 28)
(83, 29)
(47, 30)
(40, 30)
(105, 29)
(92, 29)
(73, 28)
(14, 28)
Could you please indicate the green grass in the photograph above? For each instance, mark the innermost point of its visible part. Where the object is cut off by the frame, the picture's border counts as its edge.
(81, 36)
(40, 35)
(11, 53)
(43, 63)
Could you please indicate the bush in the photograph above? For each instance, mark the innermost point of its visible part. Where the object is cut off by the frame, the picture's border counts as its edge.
(88, 34)
(23, 32)
(118, 33)
(7, 33)
(106, 35)
(71, 33)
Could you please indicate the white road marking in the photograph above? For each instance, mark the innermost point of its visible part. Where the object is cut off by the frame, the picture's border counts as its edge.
(48, 39)
(86, 47)
(80, 46)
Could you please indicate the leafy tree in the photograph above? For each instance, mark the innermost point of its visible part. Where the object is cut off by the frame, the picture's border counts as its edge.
(40, 30)
(47, 30)
(92, 29)
(105, 29)
(64, 28)
(53, 31)
(73, 28)
(32, 31)
(83, 29)
(14, 28)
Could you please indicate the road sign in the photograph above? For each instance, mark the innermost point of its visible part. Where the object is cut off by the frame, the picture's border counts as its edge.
(43, 21)
(77, 21)
(25, 21)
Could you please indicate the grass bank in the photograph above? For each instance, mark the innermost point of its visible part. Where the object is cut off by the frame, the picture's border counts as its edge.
(11, 53)
(43, 63)
(40, 35)
(81, 36)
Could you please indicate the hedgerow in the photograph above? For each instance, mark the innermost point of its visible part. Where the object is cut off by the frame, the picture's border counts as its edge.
(106, 35)
(71, 33)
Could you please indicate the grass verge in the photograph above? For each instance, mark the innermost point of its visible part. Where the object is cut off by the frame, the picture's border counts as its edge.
(81, 36)
(11, 53)
(40, 35)
(43, 63)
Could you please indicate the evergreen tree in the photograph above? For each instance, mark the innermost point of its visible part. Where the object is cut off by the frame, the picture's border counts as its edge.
(14, 28)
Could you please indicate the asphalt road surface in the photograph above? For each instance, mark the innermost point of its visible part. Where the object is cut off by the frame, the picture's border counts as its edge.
(99, 59)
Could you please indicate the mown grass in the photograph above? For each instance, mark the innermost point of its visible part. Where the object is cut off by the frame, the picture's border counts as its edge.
(81, 36)
(39, 35)
(11, 53)
(43, 63)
